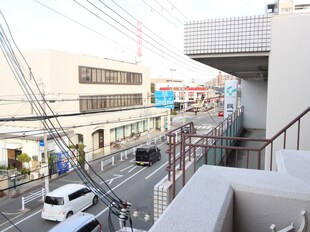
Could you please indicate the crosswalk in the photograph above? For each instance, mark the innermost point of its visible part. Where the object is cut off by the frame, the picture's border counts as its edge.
(203, 127)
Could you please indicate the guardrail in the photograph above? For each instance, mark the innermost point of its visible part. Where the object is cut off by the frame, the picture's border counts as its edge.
(119, 156)
(33, 197)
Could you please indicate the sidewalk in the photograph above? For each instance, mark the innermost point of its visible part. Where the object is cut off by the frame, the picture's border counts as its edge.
(35, 185)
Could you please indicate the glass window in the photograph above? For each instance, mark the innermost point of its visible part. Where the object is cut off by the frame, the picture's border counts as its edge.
(54, 200)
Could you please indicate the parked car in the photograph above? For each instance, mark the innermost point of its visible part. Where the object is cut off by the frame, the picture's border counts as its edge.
(79, 222)
(187, 129)
(220, 113)
(147, 155)
(65, 201)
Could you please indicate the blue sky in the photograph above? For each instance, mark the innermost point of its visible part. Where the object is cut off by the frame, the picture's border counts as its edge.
(110, 33)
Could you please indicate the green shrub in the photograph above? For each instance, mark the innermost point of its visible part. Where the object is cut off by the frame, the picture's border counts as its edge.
(3, 167)
(25, 171)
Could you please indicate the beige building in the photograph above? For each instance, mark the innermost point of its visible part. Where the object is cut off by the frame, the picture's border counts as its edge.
(117, 94)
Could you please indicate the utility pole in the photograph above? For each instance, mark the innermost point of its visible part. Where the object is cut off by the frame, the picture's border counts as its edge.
(46, 176)
(172, 86)
(148, 120)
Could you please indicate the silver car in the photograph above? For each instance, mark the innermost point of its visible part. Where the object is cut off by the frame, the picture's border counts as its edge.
(79, 222)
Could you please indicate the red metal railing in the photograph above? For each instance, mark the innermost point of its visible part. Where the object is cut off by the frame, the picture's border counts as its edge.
(221, 146)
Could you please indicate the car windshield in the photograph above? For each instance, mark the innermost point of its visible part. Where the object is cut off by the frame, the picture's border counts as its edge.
(54, 200)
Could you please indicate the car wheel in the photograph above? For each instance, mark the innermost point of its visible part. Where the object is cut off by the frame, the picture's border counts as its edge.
(150, 163)
(159, 157)
(95, 200)
(69, 214)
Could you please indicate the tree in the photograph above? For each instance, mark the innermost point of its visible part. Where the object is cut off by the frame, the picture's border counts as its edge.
(152, 91)
(24, 158)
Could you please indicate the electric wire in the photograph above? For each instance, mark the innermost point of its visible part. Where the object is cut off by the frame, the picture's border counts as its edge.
(163, 8)
(151, 37)
(10, 221)
(197, 63)
(153, 9)
(168, 56)
(39, 110)
(178, 11)
(176, 56)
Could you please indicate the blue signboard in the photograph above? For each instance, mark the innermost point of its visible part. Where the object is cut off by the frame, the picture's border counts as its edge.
(164, 99)
(62, 163)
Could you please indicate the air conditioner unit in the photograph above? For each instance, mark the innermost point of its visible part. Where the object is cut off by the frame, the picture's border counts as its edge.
(34, 176)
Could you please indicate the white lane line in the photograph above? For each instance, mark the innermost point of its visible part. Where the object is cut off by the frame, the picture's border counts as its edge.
(117, 187)
(132, 169)
(156, 170)
(125, 168)
(107, 192)
(16, 223)
(109, 181)
(96, 215)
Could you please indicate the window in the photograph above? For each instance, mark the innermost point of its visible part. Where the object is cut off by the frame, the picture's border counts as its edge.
(74, 195)
(90, 226)
(103, 76)
(90, 103)
(54, 200)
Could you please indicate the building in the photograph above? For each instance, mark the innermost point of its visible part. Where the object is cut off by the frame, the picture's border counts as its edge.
(187, 93)
(110, 100)
(288, 6)
(270, 54)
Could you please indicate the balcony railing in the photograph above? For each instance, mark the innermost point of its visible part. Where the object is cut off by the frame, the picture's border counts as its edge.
(221, 146)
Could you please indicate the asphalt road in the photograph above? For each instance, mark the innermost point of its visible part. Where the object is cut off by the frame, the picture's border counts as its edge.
(128, 181)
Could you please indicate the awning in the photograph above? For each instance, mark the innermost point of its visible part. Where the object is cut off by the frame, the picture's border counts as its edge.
(12, 146)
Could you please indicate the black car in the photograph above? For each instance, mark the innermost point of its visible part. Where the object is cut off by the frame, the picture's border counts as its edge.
(187, 129)
(147, 155)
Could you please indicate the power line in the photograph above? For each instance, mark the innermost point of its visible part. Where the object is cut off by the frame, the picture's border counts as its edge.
(168, 56)
(178, 11)
(163, 8)
(156, 35)
(113, 202)
(151, 38)
(153, 9)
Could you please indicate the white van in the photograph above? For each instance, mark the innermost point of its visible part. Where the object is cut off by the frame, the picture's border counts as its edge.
(63, 202)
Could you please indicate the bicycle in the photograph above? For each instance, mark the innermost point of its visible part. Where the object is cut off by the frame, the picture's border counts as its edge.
(115, 145)
(125, 142)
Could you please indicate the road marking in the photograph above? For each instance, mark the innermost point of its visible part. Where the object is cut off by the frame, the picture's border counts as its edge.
(125, 168)
(103, 211)
(16, 223)
(156, 170)
(132, 169)
(71, 181)
(109, 181)
(117, 187)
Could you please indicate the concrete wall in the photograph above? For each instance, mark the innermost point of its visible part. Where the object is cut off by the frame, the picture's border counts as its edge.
(254, 100)
(163, 190)
(230, 199)
(288, 80)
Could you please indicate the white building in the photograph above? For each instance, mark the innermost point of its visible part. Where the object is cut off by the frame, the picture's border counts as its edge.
(79, 84)
(187, 93)
(270, 54)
